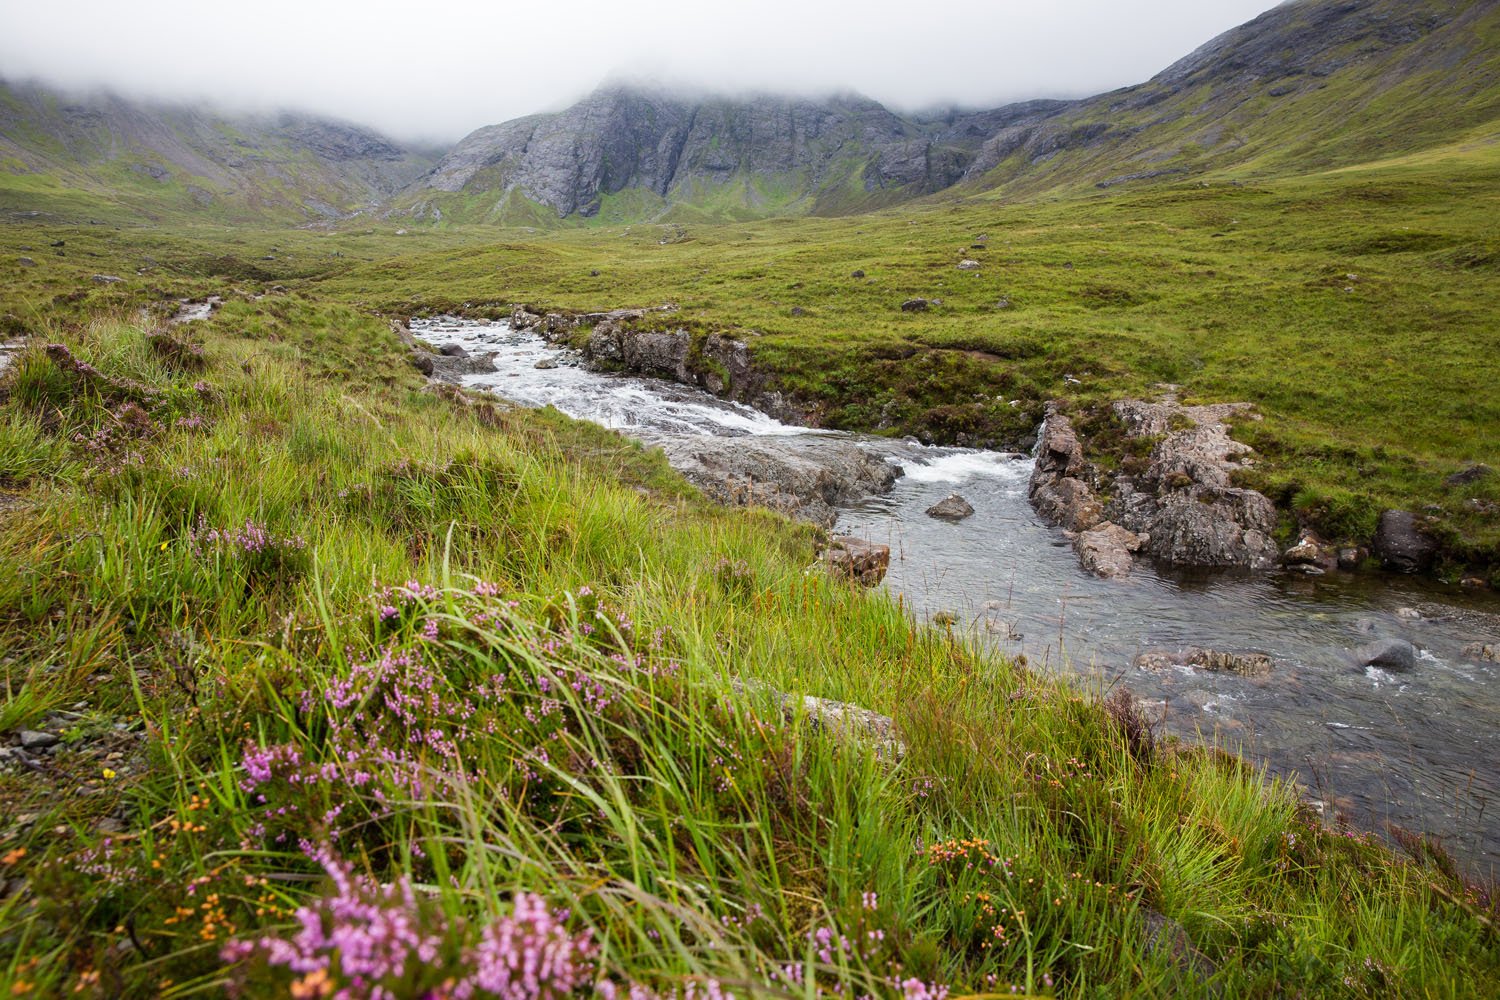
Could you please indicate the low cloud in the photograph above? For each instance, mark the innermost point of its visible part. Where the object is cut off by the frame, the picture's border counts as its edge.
(439, 69)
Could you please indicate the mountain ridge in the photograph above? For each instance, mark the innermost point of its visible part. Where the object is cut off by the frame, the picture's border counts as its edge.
(100, 151)
(1309, 85)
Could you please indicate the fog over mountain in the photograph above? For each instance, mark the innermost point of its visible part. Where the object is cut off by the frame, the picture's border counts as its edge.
(440, 69)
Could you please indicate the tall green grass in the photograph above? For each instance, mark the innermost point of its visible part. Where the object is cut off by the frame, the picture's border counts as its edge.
(634, 766)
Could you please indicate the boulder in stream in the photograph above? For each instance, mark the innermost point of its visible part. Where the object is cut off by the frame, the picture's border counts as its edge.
(1483, 652)
(1387, 654)
(1108, 551)
(804, 478)
(953, 508)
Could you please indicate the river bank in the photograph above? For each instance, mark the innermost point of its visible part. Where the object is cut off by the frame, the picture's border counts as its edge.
(1376, 745)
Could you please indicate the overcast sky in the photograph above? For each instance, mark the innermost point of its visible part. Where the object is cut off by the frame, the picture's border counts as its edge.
(437, 69)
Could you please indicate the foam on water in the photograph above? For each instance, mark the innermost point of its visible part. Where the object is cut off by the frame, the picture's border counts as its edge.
(948, 466)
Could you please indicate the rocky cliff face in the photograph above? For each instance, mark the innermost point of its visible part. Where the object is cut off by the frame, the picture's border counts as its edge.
(760, 155)
(155, 159)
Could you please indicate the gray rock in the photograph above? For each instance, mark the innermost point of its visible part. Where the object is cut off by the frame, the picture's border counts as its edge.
(669, 147)
(1388, 654)
(448, 368)
(453, 351)
(1058, 488)
(422, 362)
(106, 279)
(857, 274)
(857, 560)
(546, 364)
(26, 262)
(1108, 550)
(1400, 544)
(953, 508)
(969, 265)
(1186, 501)
(805, 478)
(1003, 304)
(1351, 559)
(32, 739)
(915, 305)
(838, 719)
(1167, 938)
(1471, 475)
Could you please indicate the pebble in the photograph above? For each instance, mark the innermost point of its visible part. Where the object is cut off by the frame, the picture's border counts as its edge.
(33, 740)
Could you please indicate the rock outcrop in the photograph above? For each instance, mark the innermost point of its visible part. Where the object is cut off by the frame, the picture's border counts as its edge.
(618, 340)
(672, 149)
(1184, 507)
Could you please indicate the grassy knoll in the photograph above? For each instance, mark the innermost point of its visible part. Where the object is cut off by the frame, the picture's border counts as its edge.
(360, 685)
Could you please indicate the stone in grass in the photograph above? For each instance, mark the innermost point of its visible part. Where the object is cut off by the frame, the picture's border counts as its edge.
(857, 560)
(969, 265)
(32, 739)
(954, 508)
(915, 305)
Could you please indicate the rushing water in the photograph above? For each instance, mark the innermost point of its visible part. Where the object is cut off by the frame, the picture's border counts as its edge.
(1420, 749)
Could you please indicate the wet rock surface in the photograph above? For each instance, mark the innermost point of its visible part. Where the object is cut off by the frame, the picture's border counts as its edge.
(1387, 654)
(1108, 551)
(952, 508)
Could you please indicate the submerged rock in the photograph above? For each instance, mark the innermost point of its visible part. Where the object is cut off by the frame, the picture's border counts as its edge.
(1483, 652)
(1213, 660)
(954, 508)
(855, 559)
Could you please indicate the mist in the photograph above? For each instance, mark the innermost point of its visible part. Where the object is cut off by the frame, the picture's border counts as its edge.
(437, 70)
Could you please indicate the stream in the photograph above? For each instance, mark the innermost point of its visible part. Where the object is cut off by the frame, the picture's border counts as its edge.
(1420, 749)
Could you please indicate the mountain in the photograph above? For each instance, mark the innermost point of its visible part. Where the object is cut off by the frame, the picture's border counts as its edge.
(1310, 85)
(105, 154)
(627, 153)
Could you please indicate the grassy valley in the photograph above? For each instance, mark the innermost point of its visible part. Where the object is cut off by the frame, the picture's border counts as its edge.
(320, 679)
